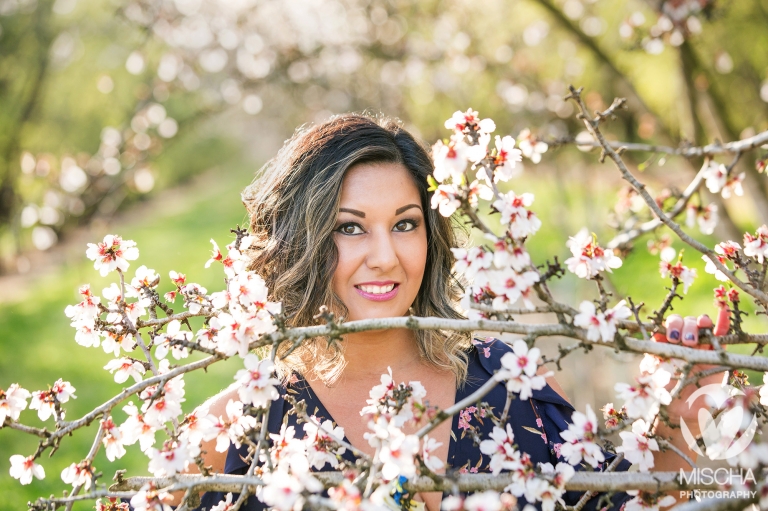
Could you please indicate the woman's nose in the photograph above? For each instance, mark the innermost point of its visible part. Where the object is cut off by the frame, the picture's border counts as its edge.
(382, 254)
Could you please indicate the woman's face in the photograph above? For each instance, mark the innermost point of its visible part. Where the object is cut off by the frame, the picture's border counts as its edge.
(381, 240)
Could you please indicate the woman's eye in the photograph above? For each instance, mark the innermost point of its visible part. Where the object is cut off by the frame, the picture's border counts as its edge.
(349, 229)
(405, 225)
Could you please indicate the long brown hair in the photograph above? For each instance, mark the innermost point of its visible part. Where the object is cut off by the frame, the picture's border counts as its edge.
(293, 203)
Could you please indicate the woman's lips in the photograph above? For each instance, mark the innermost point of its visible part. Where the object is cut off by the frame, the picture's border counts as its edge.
(378, 297)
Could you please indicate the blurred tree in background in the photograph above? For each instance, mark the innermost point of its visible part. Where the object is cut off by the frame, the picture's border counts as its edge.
(96, 94)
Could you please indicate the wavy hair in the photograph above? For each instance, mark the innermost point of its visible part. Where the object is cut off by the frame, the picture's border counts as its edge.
(293, 203)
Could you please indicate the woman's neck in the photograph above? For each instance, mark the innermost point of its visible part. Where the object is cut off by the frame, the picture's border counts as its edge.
(369, 354)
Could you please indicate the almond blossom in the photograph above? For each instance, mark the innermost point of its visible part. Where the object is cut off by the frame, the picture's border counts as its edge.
(502, 450)
(216, 254)
(643, 399)
(224, 505)
(646, 501)
(134, 429)
(637, 446)
(508, 286)
(504, 158)
(173, 458)
(450, 160)
(580, 440)
(87, 310)
(173, 332)
(113, 253)
(149, 498)
(725, 251)
(519, 221)
(125, 367)
(469, 120)
(445, 199)
(199, 426)
(757, 246)
(383, 403)
(234, 427)
(24, 468)
(733, 186)
(113, 441)
(521, 360)
(678, 271)
(589, 258)
(470, 262)
(705, 216)
(78, 474)
(397, 455)
(601, 326)
(44, 401)
(716, 175)
(322, 443)
(531, 147)
(12, 402)
(428, 448)
(257, 385)
(145, 278)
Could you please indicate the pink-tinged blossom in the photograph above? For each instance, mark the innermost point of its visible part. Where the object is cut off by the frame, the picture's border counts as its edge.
(113, 440)
(509, 255)
(249, 289)
(257, 383)
(111, 504)
(173, 332)
(643, 399)
(112, 253)
(115, 339)
(194, 297)
(588, 257)
(504, 159)
(470, 262)
(682, 273)
(234, 427)
(345, 496)
(521, 360)
(502, 450)
(450, 160)
(199, 426)
(322, 443)
(647, 501)
(282, 491)
(600, 326)
(145, 278)
(445, 199)
(134, 429)
(483, 501)
(508, 286)
(173, 458)
(125, 367)
(531, 147)
(134, 310)
(216, 254)
(12, 402)
(705, 216)
(224, 505)
(469, 120)
(177, 278)
(78, 474)
(757, 246)
(637, 446)
(24, 469)
(166, 407)
(428, 449)
(397, 455)
(86, 310)
(519, 221)
(580, 440)
(734, 186)
(44, 401)
(149, 498)
(724, 251)
(716, 175)
(86, 333)
(382, 403)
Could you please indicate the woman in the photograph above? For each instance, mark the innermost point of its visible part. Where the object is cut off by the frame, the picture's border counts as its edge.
(342, 218)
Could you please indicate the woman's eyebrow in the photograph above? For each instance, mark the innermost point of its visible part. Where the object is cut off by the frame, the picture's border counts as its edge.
(353, 211)
(404, 208)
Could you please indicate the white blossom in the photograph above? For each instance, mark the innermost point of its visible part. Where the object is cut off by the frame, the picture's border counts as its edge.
(589, 258)
(112, 253)
(24, 468)
(643, 399)
(637, 446)
(125, 367)
(580, 439)
(12, 402)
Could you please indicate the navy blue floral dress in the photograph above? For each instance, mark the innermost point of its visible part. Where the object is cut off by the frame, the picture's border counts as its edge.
(536, 423)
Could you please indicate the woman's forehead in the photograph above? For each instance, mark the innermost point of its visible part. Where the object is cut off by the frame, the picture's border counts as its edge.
(376, 185)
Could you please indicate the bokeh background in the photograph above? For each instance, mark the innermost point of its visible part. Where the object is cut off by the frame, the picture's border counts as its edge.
(147, 118)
